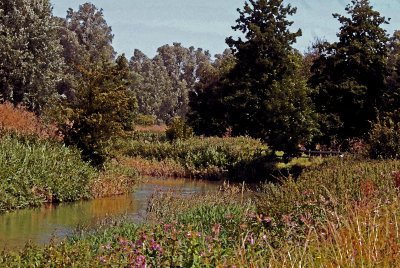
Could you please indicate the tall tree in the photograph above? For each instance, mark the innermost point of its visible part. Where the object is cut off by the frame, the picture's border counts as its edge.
(392, 100)
(207, 114)
(350, 74)
(101, 111)
(166, 80)
(30, 62)
(265, 96)
(153, 87)
(87, 40)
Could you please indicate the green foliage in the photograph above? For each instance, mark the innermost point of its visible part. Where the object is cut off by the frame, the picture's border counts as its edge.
(33, 172)
(349, 75)
(144, 120)
(178, 130)
(336, 179)
(163, 83)
(207, 112)
(384, 139)
(199, 153)
(265, 95)
(86, 39)
(101, 110)
(30, 62)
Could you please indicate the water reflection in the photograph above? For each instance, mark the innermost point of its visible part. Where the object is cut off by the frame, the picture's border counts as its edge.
(40, 224)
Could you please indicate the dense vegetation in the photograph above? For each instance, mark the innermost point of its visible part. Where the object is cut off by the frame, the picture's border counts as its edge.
(349, 222)
(69, 116)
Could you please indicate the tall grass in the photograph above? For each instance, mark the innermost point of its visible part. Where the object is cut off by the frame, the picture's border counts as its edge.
(34, 171)
(199, 157)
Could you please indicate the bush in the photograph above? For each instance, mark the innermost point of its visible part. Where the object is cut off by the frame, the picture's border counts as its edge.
(17, 118)
(33, 172)
(144, 120)
(197, 153)
(179, 130)
(384, 139)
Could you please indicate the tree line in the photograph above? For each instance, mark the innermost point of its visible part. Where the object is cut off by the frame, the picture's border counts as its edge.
(261, 86)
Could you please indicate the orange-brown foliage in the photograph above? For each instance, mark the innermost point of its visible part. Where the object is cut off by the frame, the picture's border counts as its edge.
(155, 128)
(17, 118)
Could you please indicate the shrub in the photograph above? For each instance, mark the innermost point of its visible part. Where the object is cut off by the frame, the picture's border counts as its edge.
(384, 139)
(144, 120)
(179, 130)
(17, 118)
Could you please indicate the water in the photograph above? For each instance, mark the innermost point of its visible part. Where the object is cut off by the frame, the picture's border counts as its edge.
(40, 224)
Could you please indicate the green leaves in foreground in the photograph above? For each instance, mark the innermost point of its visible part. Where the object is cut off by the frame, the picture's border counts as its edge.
(34, 171)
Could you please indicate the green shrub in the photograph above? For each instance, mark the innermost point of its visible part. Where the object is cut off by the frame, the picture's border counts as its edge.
(384, 139)
(144, 120)
(179, 130)
(199, 153)
(34, 171)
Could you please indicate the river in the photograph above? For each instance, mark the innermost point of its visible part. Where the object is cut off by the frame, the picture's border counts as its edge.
(40, 224)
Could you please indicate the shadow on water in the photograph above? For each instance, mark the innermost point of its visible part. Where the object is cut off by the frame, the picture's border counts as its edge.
(40, 224)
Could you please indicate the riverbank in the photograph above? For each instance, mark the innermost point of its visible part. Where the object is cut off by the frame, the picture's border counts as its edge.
(36, 171)
(341, 211)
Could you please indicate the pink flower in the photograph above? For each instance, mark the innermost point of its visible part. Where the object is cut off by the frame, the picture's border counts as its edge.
(102, 259)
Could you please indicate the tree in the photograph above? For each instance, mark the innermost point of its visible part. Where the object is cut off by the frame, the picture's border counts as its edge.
(392, 97)
(207, 114)
(350, 74)
(165, 81)
(265, 96)
(153, 88)
(30, 62)
(102, 110)
(86, 40)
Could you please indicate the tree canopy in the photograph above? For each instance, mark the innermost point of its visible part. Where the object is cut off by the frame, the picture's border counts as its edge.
(264, 95)
(30, 62)
(350, 75)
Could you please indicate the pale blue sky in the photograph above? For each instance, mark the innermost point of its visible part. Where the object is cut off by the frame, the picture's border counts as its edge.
(149, 24)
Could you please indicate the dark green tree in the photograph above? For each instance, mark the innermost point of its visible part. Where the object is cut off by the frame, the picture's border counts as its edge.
(102, 110)
(207, 114)
(349, 75)
(265, 96)
(392, 97)
(30, 62)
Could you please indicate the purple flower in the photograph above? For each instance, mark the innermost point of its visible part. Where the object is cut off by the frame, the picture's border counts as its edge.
(102, 259)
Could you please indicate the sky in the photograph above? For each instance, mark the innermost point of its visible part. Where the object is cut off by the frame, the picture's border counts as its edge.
(149, 24)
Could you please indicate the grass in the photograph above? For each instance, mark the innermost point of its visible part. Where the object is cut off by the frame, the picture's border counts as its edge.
(346, 215)
(205, 158)
(34, 171)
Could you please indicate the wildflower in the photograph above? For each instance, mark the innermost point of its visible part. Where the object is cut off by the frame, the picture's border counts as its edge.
(202, 254)
(267, 219)
(188, 234)
(198, 234)
(228, 216)
(108, 246)
(115, 236)
(102, 259)
(264, 237)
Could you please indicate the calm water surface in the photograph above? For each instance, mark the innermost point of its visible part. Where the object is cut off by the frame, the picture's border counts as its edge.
(40, 224)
